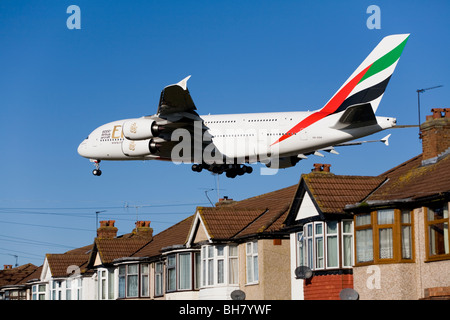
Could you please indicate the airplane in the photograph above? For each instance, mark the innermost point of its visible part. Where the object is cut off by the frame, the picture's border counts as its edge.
(231, 142)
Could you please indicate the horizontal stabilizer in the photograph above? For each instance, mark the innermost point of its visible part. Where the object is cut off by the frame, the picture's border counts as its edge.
(359, 115)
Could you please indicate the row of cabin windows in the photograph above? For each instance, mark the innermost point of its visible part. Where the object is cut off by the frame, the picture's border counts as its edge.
(386, 236)
(234, 121)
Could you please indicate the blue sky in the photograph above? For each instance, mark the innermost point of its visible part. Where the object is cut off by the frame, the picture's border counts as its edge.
(57, 85)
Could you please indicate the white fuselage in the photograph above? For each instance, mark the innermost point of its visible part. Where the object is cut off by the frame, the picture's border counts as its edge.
(248, 137)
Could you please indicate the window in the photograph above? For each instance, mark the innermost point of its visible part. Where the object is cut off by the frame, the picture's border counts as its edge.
(56, 290)
(233, 265)
(122, 273)
(252, 262)
(319, 245)
(171, 272)
(385, 226)
(364, 239)
(145, 280)
(437, 221)
(406, 234)
(159, 279)
(184, 271)
(38, 292)
(133, 282)
(384, 236)
(347, 243)
(332, 245)
(219, 265)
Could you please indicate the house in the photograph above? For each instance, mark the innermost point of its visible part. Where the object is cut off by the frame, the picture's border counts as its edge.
(401, 228)
(14, 282)
(243, 247)
(321, 232)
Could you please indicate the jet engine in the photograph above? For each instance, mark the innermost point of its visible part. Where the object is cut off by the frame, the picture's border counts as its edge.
(139, 148)
(141, 129)
(282, 163)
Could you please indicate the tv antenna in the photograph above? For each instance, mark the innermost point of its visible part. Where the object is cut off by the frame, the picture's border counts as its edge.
(96, 217)
(419, 91)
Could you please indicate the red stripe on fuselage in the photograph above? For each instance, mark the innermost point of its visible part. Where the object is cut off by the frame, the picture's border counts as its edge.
(329, 108)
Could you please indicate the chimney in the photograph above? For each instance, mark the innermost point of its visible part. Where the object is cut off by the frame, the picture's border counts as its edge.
(435, 133)
(143, 230)
(224, 201)
(7, 266)
(320, 167)
(107, 230)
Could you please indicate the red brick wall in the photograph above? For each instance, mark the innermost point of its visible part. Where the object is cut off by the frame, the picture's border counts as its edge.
(435, 133)
(326, 287)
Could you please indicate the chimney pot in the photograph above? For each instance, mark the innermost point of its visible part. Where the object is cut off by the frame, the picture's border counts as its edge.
(107, 229)
(318, 167)
(326, 167)
(143, 229)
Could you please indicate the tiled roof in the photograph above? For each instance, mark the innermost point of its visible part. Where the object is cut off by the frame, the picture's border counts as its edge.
(257, 215)
(175, 235)
(60, 263)
(16, 275)
(111, 249)
(333, 192)
(412, 180)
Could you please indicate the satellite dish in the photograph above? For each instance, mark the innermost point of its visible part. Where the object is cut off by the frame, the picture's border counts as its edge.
(238, 295)
(303, 272)
(348, 294)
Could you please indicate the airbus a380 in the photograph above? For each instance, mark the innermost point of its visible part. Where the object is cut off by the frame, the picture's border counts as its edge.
(229, 142)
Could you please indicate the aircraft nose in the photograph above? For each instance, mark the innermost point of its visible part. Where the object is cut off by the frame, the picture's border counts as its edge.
(82, 148)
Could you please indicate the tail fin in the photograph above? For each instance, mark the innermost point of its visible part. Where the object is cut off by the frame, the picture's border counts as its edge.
(368, 82)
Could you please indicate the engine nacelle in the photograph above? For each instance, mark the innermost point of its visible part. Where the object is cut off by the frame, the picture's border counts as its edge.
(282, 163)
(140, 129)
(139, 148)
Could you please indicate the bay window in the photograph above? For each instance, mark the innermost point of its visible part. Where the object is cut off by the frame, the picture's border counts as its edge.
(219, 265)
(181, 272)
(384, 236)
(325, 245)
(133, 281)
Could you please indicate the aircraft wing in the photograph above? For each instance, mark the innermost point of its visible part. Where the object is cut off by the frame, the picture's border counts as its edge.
(176, 99)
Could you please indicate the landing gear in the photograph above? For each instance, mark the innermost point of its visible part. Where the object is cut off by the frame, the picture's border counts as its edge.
(231, 170)
(96, 172)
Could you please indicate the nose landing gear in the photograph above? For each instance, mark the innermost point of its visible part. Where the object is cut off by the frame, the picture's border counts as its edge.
(96, 171)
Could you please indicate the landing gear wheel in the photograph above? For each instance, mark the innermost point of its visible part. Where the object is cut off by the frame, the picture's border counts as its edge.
(97, 172)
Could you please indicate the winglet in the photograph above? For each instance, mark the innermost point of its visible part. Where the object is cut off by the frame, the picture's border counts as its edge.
(183, 83)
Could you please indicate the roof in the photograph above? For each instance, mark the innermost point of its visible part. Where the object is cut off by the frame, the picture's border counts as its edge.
(412, 180)
(175, 235)
(263, 214)
(111, 249)
(61, 264)
(333, 192)
(17, 275)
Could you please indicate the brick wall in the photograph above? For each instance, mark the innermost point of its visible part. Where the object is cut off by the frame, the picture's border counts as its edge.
(435, 133)
(326, 287)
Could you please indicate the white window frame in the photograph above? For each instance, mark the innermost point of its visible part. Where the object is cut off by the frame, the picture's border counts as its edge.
(252, 260)
(159, 279)
(352, 245)
(215, 265)
(313, 242)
